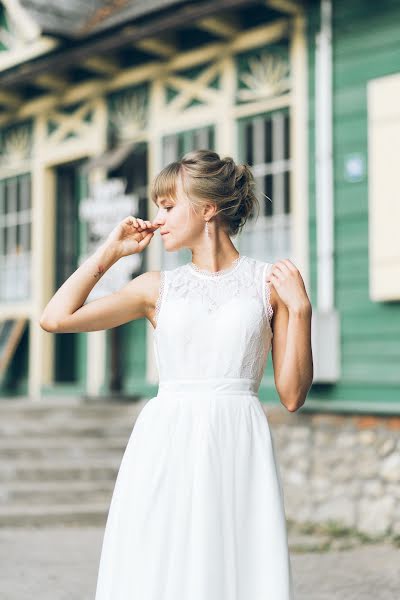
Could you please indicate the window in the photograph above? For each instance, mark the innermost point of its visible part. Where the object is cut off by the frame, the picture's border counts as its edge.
(15, 238)
(178, 144)
(264, 142)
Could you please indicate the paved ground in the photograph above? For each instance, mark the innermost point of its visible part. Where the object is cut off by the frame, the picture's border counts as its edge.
(61, 564)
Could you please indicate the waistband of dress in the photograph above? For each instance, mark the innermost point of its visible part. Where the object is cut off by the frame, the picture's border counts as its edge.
(218, 385)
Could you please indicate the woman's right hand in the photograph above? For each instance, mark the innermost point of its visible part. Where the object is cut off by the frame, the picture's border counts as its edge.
(131, 236)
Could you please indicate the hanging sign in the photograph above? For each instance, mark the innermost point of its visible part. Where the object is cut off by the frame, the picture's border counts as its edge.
(107, 205)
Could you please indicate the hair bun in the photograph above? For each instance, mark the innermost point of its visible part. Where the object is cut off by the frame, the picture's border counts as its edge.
(244, 175)
(240, 171)
(229, 165)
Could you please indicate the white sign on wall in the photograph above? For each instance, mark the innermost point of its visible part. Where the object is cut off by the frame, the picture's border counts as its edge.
(354, 167)
(107, 205)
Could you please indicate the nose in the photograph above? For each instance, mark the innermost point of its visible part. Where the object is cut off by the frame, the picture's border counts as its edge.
(159, 219)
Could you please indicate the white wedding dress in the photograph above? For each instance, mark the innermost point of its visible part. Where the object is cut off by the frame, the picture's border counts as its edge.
(197, 511)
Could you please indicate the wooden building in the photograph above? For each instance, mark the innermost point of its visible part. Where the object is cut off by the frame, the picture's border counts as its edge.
(307, 93)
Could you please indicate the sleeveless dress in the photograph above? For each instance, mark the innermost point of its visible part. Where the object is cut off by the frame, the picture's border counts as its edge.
(197, 511)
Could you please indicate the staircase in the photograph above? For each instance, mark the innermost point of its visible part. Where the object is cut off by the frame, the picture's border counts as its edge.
(59, 459)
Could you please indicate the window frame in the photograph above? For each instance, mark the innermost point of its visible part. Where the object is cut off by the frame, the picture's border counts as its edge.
(15, 237)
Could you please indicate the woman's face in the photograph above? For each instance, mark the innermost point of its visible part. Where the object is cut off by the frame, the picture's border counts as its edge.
(179, 225)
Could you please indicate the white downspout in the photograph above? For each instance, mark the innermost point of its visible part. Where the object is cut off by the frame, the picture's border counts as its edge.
(324, 168)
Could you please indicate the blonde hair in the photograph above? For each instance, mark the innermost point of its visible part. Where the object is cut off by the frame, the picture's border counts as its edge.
(207, 177)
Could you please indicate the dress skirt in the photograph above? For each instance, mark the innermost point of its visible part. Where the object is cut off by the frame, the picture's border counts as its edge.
(197, 510)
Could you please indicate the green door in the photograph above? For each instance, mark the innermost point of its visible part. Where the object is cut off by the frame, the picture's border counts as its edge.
(69, 374)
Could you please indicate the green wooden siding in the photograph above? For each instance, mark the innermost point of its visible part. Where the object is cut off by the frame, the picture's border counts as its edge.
(366, 45)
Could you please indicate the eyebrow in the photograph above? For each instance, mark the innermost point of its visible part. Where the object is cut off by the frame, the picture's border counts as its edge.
(161, 201)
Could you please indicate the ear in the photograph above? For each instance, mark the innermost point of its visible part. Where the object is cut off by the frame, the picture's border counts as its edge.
(209, 210)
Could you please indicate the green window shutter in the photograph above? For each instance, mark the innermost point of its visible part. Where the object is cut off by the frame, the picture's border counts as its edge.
(383, 186)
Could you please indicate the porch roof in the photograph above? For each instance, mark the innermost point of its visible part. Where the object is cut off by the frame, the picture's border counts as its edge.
(96, 40)
(77, 19)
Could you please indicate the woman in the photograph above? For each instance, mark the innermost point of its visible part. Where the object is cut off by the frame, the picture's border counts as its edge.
(198, 511)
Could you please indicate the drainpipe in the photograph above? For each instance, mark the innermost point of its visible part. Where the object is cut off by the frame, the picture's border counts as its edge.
(324, 168)
(326, 322)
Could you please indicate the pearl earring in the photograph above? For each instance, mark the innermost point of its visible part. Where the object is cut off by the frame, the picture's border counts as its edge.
(207, 230)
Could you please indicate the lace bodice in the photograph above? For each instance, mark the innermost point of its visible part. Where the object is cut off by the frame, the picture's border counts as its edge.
(214, 324)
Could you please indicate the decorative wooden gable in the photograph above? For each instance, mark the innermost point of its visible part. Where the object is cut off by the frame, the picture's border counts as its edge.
(264, 74)
(199, 86)
(67, 132)
(128, 113)
(15, 147)
(20, 35)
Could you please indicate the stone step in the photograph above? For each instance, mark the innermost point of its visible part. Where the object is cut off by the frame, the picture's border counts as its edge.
(74, 428)
(61, 447)
(94, 514)
(68, 406)
(59, 460)
(46, 417)
(47, 470)
(56, 492)
(48, 413)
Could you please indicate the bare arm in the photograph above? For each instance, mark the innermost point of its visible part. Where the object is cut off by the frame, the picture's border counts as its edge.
(66, 311)
(291, 345)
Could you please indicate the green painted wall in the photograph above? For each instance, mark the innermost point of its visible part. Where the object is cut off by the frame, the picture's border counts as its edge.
(366, 44)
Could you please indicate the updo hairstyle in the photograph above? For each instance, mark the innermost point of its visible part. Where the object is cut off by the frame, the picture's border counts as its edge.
(207, 177)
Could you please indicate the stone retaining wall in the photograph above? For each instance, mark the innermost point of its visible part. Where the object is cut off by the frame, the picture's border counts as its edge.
(339, 468)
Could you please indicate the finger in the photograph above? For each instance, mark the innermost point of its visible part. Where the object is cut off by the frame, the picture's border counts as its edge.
(275, 280)
(282, 266)
(278, 273)
(144, 233)
(142, 223)
(140, 235)
(145, 241)
(133, 223)
(152, 226)
(289, 264)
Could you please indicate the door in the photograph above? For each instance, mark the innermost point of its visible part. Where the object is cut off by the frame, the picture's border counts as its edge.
(70, 348)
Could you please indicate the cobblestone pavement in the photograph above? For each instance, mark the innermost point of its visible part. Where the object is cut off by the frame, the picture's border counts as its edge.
(61, 564)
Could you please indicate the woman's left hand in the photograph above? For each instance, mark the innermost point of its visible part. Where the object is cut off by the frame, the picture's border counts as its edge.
(289, 284)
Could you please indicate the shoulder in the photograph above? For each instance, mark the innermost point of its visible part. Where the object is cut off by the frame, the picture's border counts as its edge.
(146, 286)
(274, 298)
(151, 283)
(260, 270)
